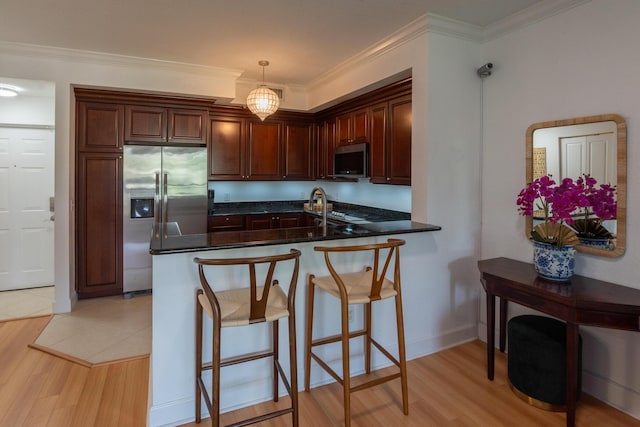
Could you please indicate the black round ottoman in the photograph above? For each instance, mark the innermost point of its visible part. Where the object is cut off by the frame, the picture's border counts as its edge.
(537, 361)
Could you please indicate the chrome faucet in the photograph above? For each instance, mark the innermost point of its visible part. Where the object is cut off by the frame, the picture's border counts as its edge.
(323, 198)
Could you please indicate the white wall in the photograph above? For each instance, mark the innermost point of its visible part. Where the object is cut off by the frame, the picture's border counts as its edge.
(28, 110)
(581, 62)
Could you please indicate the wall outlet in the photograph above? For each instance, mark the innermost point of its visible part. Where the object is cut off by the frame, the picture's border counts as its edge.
(227, 197)
(302, 195)
(350, 315)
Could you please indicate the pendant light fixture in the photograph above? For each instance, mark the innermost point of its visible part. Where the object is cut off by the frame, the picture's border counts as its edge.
(263, 101)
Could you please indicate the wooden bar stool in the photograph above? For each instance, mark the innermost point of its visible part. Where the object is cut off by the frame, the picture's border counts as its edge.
(242, 307)
(362, 287)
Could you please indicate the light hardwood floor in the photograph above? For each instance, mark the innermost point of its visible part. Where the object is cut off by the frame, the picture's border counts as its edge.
(37, 389)
(448, 388)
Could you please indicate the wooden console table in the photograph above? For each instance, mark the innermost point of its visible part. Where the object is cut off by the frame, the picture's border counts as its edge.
(581, 301)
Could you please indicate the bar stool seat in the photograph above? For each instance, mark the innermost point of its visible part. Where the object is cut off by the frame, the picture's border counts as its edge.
(246, 306)
(235, 306)
(362, 287)
(357, 285)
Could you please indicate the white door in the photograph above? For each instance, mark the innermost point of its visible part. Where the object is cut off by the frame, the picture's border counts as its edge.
(589, 154)
(26, 217)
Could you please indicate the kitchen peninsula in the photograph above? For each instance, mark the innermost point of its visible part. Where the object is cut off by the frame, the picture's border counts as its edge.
(175, 280)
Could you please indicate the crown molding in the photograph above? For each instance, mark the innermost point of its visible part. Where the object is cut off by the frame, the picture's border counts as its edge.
(89, 57)
(528, 16)
(404, 35)
(451, 27)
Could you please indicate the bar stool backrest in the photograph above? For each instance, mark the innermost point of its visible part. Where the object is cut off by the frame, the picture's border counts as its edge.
(378, 273)
(258, 303)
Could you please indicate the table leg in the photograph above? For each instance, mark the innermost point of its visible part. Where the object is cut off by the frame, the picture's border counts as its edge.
(491, 332)
(503, 324)
(572, 372)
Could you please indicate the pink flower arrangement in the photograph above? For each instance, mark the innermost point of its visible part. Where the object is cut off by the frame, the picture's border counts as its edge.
(561, 204)
(601, 200)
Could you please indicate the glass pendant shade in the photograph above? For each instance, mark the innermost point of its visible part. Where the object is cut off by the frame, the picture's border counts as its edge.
(263, 102)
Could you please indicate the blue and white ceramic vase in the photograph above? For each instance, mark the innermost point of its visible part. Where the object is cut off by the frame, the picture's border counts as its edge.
(553, 262)
(596, 243)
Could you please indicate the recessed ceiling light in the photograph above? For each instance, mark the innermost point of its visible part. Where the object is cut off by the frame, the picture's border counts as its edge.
(8, 91)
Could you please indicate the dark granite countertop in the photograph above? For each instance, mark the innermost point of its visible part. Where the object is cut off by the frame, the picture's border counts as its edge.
(238, 239)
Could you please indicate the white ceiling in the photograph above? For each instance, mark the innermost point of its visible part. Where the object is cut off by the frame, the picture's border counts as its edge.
(301, 38)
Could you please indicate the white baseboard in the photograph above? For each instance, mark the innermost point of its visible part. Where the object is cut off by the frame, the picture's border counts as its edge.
(614, 394)
(172, 414)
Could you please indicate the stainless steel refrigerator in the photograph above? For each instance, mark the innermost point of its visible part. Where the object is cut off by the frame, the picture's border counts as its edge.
(162, 186)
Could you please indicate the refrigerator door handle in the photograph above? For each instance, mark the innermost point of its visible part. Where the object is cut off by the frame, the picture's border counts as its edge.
(156, 210)
(164, 204)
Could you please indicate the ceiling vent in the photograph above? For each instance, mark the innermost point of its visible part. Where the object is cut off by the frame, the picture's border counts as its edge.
(279, 91)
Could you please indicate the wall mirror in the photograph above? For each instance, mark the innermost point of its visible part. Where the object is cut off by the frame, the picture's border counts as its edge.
(595, 145)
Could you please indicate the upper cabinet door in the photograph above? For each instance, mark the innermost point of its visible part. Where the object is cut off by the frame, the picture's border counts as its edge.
(353, 126)
(226, 149)
(325, 147)
(390, 142)
(100, 126)
(264, 151)
(399, 151)
(360, 122)
(378, 143)
(344, 128)
(160, 125)
(297, 152)
(146, 124)
(187, 126)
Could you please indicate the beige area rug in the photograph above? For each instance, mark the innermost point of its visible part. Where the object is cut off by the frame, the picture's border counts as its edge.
(100, 331)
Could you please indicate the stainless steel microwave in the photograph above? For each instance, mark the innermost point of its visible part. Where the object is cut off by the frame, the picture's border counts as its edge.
(351, 160)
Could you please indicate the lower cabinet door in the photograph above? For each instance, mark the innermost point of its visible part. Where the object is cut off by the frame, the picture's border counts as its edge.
(99, 225)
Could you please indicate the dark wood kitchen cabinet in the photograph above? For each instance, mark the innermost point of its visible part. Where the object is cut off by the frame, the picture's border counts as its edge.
(390, 142)
(264, 152)
(353, 126)
(98, 216)
(240, 148)
(105, 120)
(382, 118)
(99, 224)
(226, 149)
(225, 223)
(99, 126)
(277, 220)
(399, 147)
(165, 125)
(325, 147)
(297, 152)
(378, 143)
